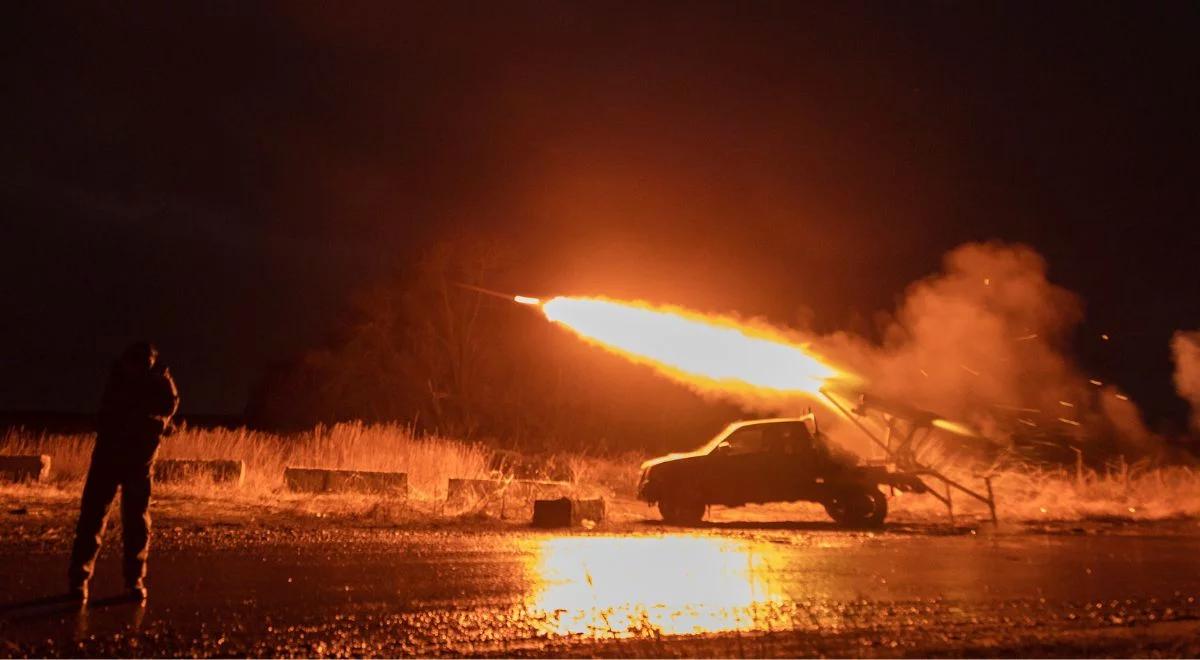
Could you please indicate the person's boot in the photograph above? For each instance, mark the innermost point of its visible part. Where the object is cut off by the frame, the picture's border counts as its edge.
(78, 592)
(137, 591)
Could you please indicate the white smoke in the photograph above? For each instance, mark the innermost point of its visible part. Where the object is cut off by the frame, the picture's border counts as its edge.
(1185, 347)
(986, 337)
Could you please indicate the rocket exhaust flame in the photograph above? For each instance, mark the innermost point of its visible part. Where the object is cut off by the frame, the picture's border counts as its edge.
(710, 352)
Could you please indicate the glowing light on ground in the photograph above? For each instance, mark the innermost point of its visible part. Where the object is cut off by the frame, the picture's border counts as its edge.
(708, 351)
(674, 585)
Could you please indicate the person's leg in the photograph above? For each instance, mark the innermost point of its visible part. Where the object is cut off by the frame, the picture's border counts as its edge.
(135, 523)
(98, 493)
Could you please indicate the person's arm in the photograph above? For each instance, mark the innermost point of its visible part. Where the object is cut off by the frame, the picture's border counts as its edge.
(166, 396)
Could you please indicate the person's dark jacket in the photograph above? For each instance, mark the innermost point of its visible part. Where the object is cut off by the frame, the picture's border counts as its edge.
(135, 411)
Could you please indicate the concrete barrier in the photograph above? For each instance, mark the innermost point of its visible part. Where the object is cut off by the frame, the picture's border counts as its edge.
(218, 471)
(463, 492)
(566, 512)
(313, 480)
(30, 467)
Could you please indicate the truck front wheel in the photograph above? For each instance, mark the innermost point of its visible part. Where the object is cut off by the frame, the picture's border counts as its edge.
(680, 511)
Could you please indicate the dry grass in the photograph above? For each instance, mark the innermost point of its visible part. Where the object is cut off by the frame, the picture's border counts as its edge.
(1137, 491)
(1129, 491)
(429, 461)
(606, 475)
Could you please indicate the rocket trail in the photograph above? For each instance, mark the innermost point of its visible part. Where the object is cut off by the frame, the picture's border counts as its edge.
(490, 292)
(710, 352)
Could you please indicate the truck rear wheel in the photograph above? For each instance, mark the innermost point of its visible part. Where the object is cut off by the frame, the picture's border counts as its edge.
(865, 507)
(680, 511)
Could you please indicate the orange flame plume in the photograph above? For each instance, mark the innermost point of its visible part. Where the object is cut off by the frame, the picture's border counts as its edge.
(711, 352)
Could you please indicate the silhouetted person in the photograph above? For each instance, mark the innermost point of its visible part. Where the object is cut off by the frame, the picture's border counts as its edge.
(139, 400)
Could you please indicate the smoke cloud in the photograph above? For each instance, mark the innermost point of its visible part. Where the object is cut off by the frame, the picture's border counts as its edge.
(983, 342)
(1185, 347)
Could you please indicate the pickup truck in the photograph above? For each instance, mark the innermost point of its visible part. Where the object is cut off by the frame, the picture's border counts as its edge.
(771, 460)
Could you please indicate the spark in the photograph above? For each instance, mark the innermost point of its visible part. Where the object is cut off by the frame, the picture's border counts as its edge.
(1095, 382)
(527, 300)
(1016, 408)
(1066, 404)
(1072, 422)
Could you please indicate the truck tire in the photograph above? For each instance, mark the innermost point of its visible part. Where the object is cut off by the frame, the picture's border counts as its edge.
(681, 511)
(863, 507)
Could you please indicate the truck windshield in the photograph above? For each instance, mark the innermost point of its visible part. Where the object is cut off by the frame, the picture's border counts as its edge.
(746, 440)
(782, 437)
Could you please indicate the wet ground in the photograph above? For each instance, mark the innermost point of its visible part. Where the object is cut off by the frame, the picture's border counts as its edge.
(259, 589)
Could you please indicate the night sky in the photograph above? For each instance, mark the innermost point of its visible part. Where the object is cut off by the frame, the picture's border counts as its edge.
(221, 177)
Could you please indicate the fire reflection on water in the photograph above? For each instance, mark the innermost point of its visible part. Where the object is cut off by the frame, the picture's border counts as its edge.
(633, 586)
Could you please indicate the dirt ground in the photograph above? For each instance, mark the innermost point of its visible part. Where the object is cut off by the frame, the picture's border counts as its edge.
(293, 580)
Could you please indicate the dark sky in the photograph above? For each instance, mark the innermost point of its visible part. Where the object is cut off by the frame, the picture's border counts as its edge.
(221, 176)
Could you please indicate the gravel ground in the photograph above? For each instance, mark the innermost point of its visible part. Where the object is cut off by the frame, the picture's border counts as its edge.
(228, 583)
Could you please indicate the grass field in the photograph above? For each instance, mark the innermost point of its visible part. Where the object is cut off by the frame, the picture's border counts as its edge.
(1133, 491)
(429, 461)
(1137, 491)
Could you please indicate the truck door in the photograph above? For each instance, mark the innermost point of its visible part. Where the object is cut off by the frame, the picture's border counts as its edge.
(791, 469)
(741, 460)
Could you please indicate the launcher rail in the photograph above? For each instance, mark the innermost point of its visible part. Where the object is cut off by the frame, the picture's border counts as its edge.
(901, 455)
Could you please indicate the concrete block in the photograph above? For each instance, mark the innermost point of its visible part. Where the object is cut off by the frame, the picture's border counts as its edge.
(552, 513)
(305, 480)
(566, 512)
(217, 471)
(313, 480)
(368, 481)
(30, 467)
